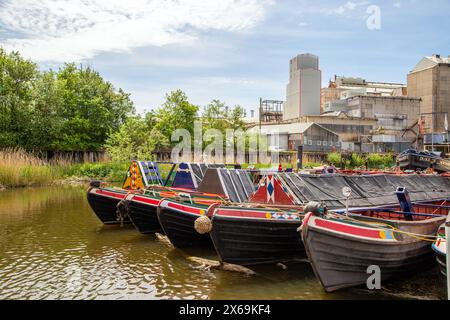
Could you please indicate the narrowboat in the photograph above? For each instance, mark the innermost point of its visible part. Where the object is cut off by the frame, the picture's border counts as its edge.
(342, 247)
(423, 160)
(251, 236)
(104, 201)
(178, 220)
(110, 205)
(142, 208)
(440, 250)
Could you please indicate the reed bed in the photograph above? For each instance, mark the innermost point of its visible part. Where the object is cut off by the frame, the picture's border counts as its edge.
(20, 169)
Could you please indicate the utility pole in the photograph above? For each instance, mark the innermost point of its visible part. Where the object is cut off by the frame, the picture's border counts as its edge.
(260, 113)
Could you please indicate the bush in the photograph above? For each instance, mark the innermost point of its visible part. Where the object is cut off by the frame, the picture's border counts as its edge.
(357, 161)
(377, 161)
(334, 158)
(311, 165)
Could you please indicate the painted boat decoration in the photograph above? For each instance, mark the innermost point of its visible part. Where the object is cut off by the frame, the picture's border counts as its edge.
(341, 248)
(440, 249)
(179, 219)
(367, 190)
(140, 176)
(142, 208)
(250, 236)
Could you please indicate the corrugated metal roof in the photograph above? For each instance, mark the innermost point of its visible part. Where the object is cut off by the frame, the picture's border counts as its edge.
(288, 128)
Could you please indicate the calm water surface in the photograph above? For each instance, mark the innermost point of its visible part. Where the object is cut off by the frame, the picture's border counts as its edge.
(53, 247)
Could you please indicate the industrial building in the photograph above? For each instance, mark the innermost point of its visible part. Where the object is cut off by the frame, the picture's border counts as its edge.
(345, 87)
(396, 120)
(430, 80)
(358, 115)
(303, 89)
(289, 136)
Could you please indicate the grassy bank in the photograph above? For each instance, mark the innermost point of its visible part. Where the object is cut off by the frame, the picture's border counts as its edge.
(21, 169)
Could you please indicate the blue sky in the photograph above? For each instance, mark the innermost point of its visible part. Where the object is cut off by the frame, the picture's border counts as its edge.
(233, 50)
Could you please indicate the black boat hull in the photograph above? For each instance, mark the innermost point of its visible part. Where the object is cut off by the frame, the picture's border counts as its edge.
(423, 162)
(143, 214)
(104, 204)
(178, 225)
(441, 260)
(342, 261)
(256, 241)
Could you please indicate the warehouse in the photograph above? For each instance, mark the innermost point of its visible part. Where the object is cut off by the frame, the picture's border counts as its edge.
(289, 136)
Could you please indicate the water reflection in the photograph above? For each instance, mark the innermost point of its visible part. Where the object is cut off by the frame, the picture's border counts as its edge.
(53, 247)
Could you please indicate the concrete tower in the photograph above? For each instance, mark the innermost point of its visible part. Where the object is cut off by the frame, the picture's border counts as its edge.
(303, 89)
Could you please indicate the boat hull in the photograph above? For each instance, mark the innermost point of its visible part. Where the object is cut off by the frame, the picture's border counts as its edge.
(341, 254)
(142, 212)
(422, 162)
(104, 204)
(441, 260)
(440, 247)
(252, 241)
(177, 221)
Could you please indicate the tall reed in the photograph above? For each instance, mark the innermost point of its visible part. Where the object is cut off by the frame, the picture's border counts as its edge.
(19, 168)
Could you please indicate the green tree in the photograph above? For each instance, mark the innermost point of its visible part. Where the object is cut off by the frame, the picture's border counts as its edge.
(91, 108)
(45, 120)
(16, 79)
(135, 139)
(216, 115)
(175, 113)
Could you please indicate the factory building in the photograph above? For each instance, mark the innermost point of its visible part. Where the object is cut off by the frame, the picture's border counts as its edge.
(366, 116)
(396, 120)
(430, 80)
(345, 87)
(303, 89)
(289, 136)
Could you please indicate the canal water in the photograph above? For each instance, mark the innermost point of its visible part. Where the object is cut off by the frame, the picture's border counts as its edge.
(53, 247)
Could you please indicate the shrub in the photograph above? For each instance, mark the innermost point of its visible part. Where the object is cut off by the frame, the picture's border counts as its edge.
(334, 158)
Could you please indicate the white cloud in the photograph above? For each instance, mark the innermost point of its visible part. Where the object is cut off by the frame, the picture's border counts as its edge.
(349, 6)
(397, 5)
(76, 30)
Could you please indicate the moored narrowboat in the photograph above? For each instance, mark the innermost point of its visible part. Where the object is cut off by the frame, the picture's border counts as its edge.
(104, 201)
(178, 220)
(250, 236)
(142, 208)
(341, 248)
(440, 250)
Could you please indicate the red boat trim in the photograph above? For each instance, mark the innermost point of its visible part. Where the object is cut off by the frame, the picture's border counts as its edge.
(353, 230)
(110, 194)
(267, 215)
(151, 201)
(185, 208)
(242, 213)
